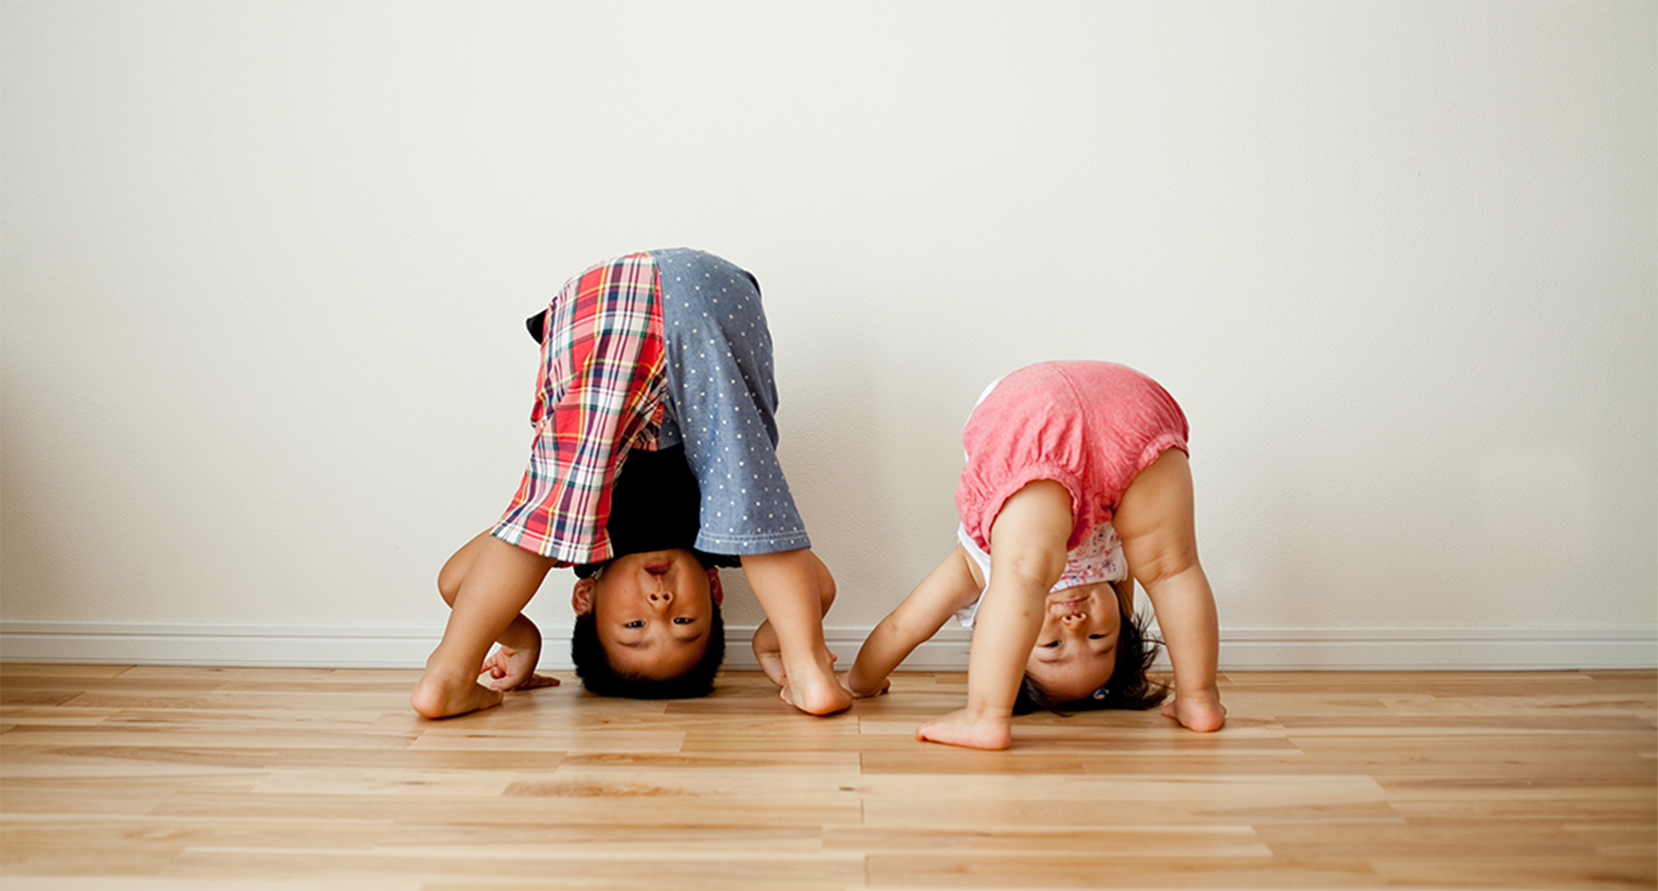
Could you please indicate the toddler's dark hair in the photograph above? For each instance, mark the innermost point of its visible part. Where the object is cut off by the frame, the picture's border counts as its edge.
(1129, 687)
(597, 675)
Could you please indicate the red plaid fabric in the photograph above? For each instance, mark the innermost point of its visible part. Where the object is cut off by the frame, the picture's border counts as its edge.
(599, 395)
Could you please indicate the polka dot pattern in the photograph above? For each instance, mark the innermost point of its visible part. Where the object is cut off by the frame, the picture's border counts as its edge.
(721, 403)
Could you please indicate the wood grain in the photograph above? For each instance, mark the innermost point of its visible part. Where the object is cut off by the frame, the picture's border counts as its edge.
(155, 777)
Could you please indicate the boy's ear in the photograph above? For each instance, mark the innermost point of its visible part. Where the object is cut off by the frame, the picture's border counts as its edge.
(581, 597)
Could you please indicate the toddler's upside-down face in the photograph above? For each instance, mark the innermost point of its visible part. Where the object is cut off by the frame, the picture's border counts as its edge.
(1076, 651)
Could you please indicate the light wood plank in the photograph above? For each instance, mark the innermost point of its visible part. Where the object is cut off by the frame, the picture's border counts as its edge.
(156, 777)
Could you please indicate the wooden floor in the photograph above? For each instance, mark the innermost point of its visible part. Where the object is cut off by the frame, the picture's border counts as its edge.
(117, 777)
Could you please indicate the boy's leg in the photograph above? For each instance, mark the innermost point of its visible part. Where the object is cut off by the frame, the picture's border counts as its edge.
(1155, 523)
(455, 568)
(513, 665)
(788, 587)
(1027, 543)
(768, 650)
(497, 582)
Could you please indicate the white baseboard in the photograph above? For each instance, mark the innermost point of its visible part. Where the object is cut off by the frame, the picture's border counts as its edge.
(1244, 649)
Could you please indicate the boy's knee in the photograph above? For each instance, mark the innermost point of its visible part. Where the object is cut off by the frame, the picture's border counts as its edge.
(825, 585)
(449, 583)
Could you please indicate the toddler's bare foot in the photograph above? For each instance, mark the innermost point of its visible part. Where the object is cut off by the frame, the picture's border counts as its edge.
(1200, 713)
(436, 698)
(958, 728)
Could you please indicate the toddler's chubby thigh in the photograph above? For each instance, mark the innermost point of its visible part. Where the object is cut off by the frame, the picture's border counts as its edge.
(1155, 520)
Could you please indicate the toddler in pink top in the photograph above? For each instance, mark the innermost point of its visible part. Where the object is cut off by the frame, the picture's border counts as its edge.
(1061, 457)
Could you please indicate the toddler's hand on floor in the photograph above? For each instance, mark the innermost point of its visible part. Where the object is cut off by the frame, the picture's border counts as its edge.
(846, 681)
(962, 728)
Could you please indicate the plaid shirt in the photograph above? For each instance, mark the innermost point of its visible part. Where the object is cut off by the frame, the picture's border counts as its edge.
(599, 394)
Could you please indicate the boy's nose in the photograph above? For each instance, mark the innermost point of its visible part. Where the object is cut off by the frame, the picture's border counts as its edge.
(661, 597)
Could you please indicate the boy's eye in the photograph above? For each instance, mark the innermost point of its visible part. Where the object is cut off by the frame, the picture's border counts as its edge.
(636, 623)
(1095, 636)
(1049, 646)
(683, 620)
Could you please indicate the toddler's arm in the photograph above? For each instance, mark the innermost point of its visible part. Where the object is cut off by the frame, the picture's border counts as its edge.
(946, 589)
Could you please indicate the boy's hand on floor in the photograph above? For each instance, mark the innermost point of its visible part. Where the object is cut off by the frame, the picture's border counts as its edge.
(769, 653)
(512, 668)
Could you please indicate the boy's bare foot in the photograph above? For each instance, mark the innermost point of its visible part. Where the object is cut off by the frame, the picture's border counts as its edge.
(434, 698)
(1203, 714)
(772, 664)
(819, 696)
(769, 653)
(958, 728)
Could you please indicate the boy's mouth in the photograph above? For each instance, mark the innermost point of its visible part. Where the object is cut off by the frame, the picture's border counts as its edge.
(658, 566)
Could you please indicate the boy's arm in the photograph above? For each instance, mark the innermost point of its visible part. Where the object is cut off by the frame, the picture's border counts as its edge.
(945, 590)
(512, 665)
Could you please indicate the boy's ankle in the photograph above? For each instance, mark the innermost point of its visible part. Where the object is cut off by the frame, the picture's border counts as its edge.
(435, 696)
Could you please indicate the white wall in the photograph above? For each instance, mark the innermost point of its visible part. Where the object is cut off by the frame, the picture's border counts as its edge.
(264, 269)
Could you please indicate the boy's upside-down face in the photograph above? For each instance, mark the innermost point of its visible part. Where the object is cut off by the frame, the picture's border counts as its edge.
(1076, 651)
(652, 611)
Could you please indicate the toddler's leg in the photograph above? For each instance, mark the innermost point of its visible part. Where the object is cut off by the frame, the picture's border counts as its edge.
(1160, 544)
(1027, 540)
(496, 581)
(788, 588)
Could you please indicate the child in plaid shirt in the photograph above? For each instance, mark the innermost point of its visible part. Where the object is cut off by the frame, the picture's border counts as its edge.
(652, 351)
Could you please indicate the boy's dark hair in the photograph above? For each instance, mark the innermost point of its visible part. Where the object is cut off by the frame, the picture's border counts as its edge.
(597, 675)
(1129, 687)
